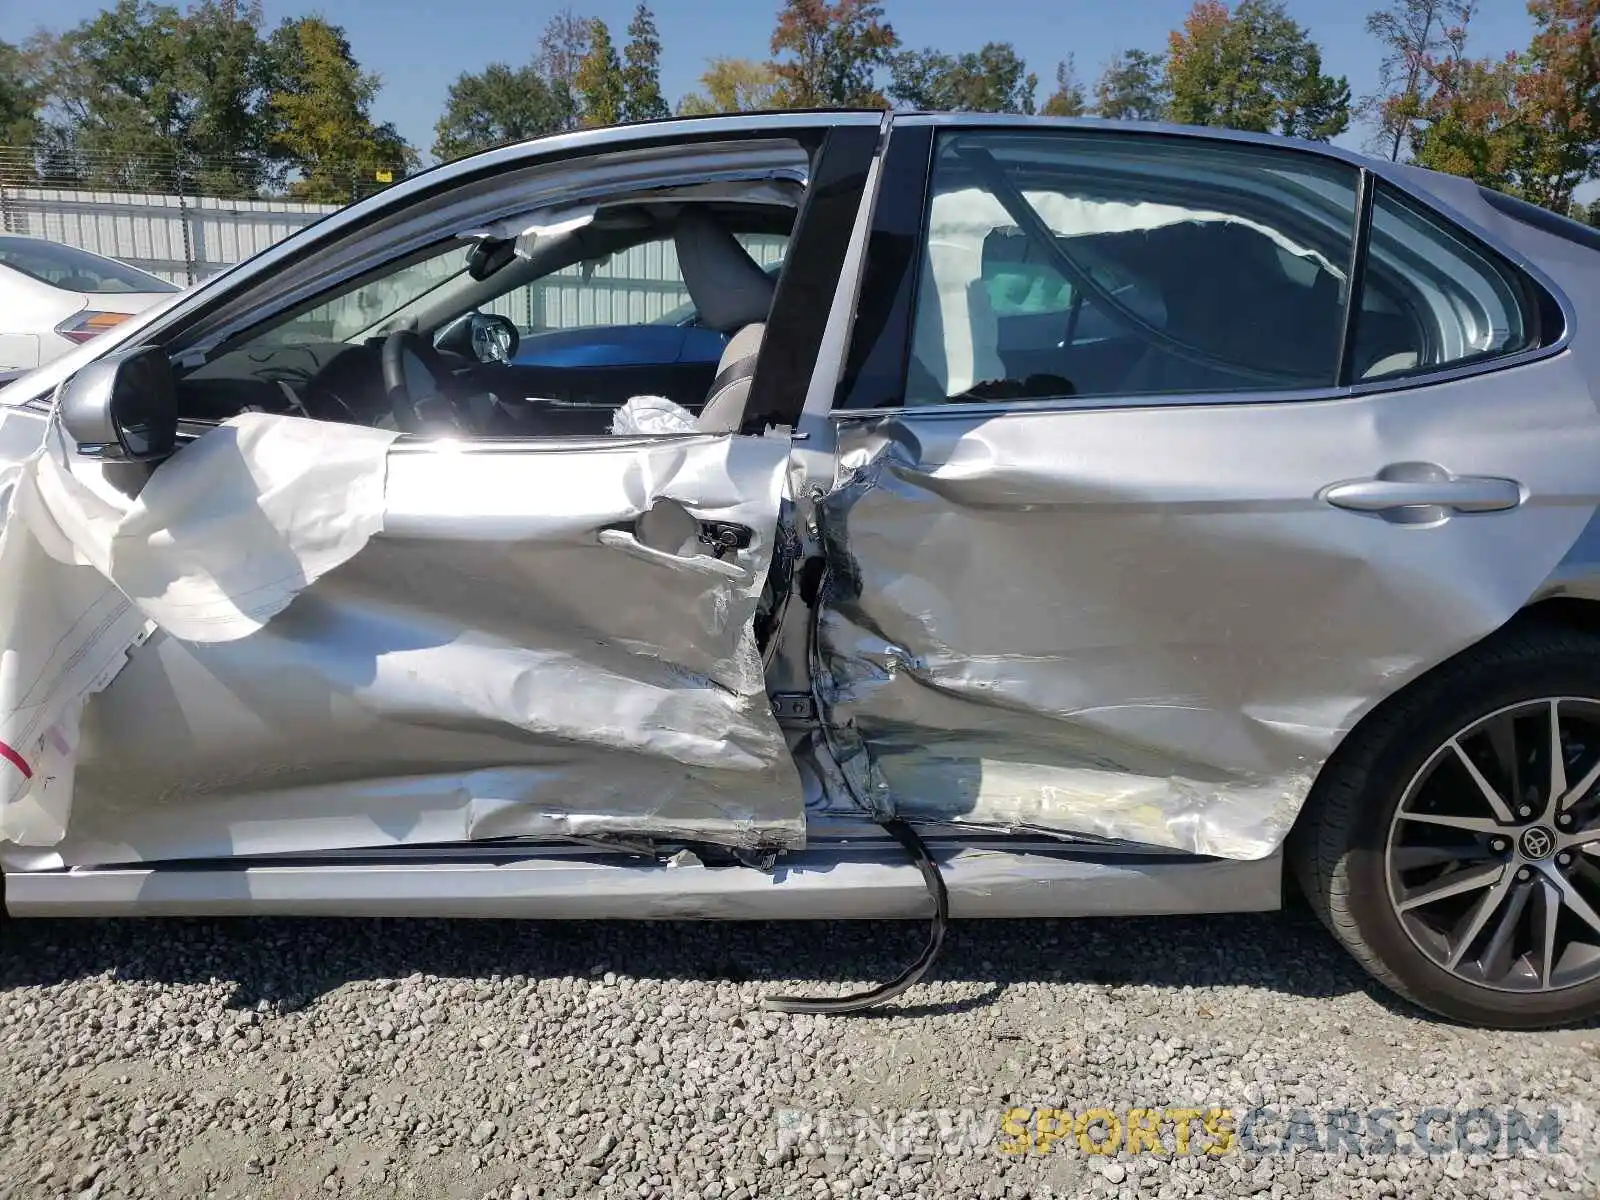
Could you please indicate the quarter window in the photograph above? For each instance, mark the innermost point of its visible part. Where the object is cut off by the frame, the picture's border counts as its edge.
(1073, 264)
(1431, 298)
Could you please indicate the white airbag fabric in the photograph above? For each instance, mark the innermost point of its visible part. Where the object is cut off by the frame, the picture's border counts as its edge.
(652, 415)
(220, 539)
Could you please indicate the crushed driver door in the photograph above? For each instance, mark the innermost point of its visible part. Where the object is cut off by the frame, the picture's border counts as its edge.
(545, 638)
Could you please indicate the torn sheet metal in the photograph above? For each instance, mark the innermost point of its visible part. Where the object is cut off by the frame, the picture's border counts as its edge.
(1142, 623)
(219, 540)
(489, 666)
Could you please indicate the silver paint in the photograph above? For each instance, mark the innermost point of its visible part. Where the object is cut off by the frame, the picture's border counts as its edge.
(832, 880)
(1139, 621)
(489, 666)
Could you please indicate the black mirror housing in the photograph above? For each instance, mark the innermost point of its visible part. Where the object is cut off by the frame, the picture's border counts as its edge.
(123, 407)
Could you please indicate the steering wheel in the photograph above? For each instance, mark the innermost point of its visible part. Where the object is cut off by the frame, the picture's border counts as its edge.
(411, 381)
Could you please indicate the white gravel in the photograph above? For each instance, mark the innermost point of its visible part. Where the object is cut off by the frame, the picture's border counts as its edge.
(515, 1060)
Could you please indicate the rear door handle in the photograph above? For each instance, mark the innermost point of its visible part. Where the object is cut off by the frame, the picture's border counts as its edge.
(1464, 494)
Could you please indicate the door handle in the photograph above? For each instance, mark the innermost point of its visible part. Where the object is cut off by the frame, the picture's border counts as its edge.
(694, 564)
(1464, 494)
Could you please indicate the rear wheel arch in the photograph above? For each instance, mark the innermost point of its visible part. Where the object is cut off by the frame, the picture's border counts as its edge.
(1548, 648)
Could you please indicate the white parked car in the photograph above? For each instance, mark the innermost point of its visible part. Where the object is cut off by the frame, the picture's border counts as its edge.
(55, 297)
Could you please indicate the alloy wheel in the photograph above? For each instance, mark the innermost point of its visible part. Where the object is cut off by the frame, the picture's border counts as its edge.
(1493, 854)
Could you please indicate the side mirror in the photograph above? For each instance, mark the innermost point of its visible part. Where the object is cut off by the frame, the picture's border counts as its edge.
(123, 407)
(487, 337)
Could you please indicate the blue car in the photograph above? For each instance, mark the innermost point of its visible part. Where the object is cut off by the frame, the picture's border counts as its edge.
(675, 355)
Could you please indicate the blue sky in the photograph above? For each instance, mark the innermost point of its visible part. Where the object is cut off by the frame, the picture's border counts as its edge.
(420, 46)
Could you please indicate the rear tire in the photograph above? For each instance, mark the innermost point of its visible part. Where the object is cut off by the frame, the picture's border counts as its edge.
(1479, 918)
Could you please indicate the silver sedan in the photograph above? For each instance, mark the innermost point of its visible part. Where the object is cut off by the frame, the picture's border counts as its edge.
(1080, 519)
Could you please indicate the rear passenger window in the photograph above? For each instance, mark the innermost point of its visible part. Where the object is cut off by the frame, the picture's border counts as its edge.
(1071, 264)
(1431, 298)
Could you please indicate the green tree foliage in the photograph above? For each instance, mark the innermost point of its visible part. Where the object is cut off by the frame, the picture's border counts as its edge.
(322, 102)
(230, 130)
(562, 47)
(500, 104)
(829, 54)
(120, 96)
(599, 82)
(144, 96)
(641, 70)
(1133, 87)
(1527, 123)
(1468, 121)
(1069, 99)
(1557, 102)
(733, 85)
(1253, 68)
(1414, 34)
(994, 79)
(20, 100)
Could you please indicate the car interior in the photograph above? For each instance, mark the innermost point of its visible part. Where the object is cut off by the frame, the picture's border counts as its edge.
(1245, 292)
(441, 362)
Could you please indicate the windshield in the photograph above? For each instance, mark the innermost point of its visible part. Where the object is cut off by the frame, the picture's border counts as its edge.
(375, 301)
(75, 270)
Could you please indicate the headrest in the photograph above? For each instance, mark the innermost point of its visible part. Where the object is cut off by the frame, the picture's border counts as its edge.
(724, 282)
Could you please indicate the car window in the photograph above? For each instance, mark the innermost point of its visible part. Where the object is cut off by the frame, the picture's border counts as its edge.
(1432, 298)
(641, 285)
(76, 270)
(372, 301)
(1074, 264)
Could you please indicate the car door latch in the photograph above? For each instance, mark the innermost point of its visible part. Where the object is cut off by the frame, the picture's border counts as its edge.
(724, 537)
(794, 708)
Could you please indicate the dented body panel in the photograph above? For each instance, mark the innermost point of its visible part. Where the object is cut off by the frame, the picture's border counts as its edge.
(1093, 643)
(488, 667)
(1143, 623)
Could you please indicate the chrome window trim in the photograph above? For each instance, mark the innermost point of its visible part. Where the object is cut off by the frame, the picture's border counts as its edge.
(1400, 178)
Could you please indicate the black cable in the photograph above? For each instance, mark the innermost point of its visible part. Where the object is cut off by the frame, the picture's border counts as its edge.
(839, 1005)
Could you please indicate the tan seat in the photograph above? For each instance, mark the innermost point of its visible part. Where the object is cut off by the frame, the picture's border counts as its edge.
(733, 295)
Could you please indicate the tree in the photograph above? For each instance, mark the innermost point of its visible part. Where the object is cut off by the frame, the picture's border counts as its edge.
(993, 79)
(1414, 33)
(1255, 69)
(143, 96)
(117, 97)
(1069, 99)
(641, 71)
(229, 132)
(1468, 122)
(1133, 88)
(829, 54)
(1557, 102)
(599, 81)
(322, 105)
(20, 101)
(562, 46)
(733, 85)
(497, 106)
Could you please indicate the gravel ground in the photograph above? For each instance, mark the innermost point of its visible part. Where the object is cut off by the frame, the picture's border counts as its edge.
(515, 1060)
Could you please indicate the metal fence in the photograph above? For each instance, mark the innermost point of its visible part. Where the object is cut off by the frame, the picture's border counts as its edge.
(180, 238)
(185, 239)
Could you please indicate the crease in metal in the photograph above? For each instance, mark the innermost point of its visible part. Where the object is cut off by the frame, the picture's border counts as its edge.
(1139, 623)
(462, 655)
